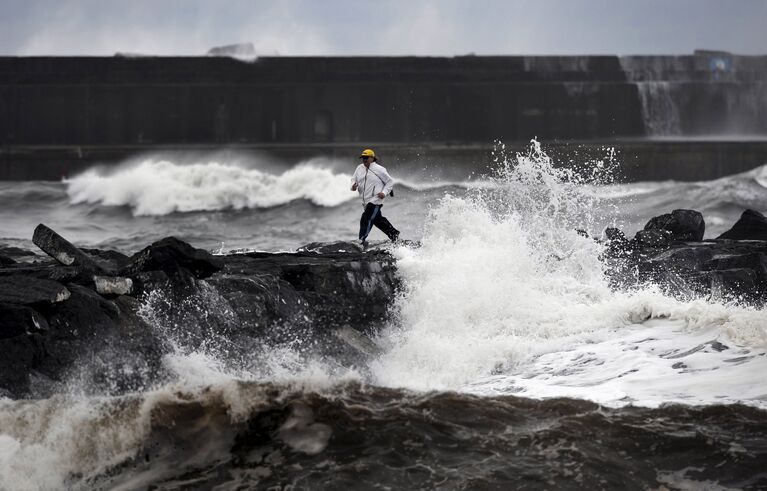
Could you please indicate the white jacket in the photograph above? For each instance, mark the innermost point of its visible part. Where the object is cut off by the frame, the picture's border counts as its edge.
(371, 181)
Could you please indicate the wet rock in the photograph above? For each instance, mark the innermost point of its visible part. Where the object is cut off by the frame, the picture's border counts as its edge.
(752, 225)
(19, 356)
(171, 255)
(318, 290)
(144, 283)
(616, 240)
(653, 238)
(727, 270)
(683, 258)
(331, 247)
(262, 302)
(82, 324)
(15, 255)
(106, 285)
(62, 250)
(717, 346)
(735, 284)
(246, 300)
(51, 271)
(753, 261)
(109, 260)
(684, 225)
(25, 290)
(16, 320)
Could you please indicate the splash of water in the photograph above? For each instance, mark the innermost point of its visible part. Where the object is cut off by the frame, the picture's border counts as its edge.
(499, 271)
(504, 277)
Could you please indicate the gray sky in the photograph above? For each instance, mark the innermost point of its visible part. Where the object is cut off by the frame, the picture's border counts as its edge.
(414, 27)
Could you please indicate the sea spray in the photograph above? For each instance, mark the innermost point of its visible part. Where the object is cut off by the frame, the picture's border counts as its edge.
(504, 287)
(500, 272)
(205, 342)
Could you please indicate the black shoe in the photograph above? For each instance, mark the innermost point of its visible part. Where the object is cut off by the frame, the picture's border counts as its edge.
(395, 236)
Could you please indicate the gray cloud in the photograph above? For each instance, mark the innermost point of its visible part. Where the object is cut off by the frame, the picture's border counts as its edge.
(395, 27)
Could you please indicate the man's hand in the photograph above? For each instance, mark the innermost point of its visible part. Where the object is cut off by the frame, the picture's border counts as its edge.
(354, 186)
(381, 195)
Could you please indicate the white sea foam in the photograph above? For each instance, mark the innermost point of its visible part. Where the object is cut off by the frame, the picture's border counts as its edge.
(760, 175)
(160, 187)
(504, 294)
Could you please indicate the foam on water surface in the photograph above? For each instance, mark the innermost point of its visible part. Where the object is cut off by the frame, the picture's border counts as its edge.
(504, 285)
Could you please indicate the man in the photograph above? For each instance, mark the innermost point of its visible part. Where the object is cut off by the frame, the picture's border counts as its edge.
(374, 184)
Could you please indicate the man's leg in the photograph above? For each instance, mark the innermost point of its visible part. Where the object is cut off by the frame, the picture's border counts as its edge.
(383, 224)
(367, 219)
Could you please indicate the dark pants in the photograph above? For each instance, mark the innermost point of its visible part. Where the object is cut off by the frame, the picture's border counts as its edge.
(372, 216)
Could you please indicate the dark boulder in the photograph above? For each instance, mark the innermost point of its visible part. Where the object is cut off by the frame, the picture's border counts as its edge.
(752, 225)
(16, 320)
(735, 285)
(6, 261)
(683, 258)
(653, 238)
(49, 271)
(616, 240)
(172, 256)
(83, 323)
(684, 225)
(19, 356)
(144, 283)
(727, 270)
(84, 313)
(754, 261)
(107, 259)
(25, 290)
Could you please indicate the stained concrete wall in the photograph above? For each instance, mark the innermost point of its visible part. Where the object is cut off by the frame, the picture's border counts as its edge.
(161, 100)
(60, 115)
(93, 101)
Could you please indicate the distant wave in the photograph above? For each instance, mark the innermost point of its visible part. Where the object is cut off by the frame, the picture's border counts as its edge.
(160, 187)
(745, 190)
(760, 175)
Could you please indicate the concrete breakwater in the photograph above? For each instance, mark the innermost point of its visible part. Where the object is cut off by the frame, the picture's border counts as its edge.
(62, 114)
(111, 318)
(166, 100)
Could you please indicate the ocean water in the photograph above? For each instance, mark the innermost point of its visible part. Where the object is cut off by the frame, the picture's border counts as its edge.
(507, 360)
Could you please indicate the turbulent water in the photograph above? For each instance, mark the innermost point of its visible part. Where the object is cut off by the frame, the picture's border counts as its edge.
(508, 361)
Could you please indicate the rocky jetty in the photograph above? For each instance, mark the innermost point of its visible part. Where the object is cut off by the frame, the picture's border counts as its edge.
(110, 318)
(106, 320)
(670, 252)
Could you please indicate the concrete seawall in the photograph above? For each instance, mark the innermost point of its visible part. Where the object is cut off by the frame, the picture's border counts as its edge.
(61, 115)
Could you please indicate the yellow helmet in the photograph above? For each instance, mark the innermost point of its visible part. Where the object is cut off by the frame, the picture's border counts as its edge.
(368, 153)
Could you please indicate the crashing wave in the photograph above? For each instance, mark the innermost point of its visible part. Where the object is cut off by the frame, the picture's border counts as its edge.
(161, 187)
